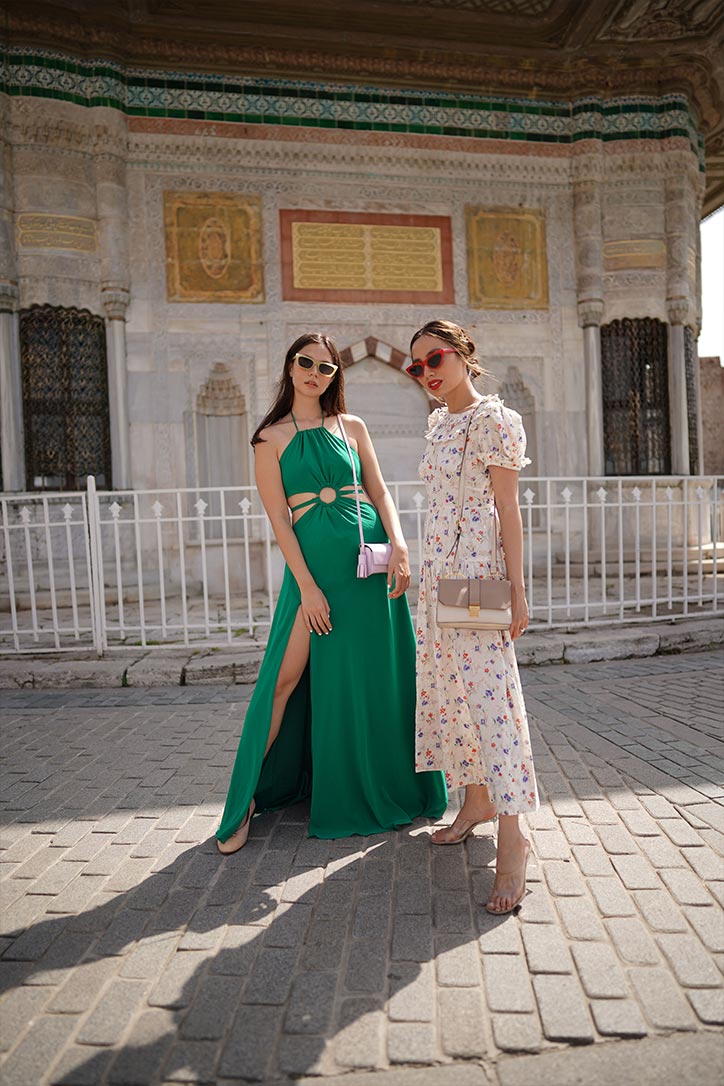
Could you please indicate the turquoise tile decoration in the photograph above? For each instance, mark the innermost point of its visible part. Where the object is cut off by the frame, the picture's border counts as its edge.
(141, 92)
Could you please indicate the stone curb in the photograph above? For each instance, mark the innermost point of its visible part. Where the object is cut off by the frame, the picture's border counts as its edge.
(679, 1060)
(184, 667)
(619, 643)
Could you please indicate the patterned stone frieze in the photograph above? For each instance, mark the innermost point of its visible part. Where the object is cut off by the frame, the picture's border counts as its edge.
(259, 101)
(37, 287)
(348, 153)
(637, 279)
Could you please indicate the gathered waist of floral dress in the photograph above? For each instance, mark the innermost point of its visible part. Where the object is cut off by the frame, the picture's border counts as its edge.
(482, 503)
(463, 566)
(476, 532)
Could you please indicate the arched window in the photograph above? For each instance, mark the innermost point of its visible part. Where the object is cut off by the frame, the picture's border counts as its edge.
(65, 398)
(636, 429)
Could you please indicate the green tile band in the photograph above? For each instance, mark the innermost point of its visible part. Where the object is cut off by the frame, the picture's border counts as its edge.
(204, 96)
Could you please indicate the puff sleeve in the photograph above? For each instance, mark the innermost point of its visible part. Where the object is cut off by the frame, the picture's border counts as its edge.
(499, 436)
(434, 420)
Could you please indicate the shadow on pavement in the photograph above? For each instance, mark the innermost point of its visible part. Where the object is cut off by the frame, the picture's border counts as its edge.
(236, 949)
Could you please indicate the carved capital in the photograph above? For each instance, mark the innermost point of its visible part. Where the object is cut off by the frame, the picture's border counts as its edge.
(9, 296)
(590, 311)
(115, 302)
(677, 310)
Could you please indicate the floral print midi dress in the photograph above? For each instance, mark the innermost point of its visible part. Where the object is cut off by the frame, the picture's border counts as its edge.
(471, 719)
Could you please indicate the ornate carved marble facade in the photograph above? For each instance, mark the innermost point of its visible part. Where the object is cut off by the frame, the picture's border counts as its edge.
(617, 185)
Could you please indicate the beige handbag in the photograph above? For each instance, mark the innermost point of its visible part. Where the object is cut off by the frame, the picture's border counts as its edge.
(475, 603)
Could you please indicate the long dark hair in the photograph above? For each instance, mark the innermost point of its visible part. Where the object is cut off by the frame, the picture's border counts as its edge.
(331, 400)
(458, 338)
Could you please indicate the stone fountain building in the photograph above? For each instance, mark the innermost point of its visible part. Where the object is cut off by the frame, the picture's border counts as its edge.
(185, 190)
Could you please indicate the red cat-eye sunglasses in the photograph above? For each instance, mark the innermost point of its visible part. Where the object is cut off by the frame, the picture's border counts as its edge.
(433, 360)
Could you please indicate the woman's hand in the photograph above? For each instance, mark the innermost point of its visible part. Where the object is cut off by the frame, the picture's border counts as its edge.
(399, 569)
(315, 610)
(519, 609)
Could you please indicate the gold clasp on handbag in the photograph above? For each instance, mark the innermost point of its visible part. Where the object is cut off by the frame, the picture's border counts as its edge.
(473, 598)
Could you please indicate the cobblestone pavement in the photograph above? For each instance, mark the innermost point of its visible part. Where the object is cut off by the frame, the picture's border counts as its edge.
(132, 953)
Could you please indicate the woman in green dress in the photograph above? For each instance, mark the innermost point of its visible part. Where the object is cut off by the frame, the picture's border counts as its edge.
(332, 715)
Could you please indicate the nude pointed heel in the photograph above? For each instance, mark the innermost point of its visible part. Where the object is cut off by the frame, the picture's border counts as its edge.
(464, 834)
(238, 838)
(516, 903)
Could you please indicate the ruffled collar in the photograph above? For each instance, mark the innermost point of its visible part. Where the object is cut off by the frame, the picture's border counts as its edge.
(442, 417)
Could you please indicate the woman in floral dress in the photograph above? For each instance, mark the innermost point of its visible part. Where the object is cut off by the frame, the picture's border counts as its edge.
(471, 720)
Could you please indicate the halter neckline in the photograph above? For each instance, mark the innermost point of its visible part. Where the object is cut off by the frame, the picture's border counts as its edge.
(308, 427)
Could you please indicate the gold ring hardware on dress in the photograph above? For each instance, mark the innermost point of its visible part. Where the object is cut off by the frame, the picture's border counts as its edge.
(327, 495)
(474, 610)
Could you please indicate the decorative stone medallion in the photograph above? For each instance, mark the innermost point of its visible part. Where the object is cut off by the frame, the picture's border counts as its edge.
(213, 247)
(507, 262)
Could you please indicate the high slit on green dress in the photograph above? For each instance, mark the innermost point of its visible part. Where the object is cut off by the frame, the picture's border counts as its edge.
(348, 735)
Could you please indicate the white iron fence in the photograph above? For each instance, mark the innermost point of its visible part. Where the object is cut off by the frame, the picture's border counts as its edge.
(122, 569)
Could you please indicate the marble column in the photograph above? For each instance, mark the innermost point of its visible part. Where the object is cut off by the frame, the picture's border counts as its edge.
(12, 434)
(11, 392)
(698, 468)
(112, 199)
(677, 218)
(678, 410)
(115, 303)
(589, 285)
(589, 317)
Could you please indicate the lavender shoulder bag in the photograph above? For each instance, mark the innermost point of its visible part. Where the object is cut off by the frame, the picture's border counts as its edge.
(373, 557)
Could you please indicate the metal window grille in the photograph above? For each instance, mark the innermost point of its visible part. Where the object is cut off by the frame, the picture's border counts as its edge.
(65, 398)
(635, 397)
(691, 363)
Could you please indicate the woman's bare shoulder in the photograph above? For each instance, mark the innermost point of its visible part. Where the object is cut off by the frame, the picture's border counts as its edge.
(354, 422)
(277, 433)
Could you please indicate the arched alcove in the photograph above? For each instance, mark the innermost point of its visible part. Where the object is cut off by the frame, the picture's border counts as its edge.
(516, 394)
(392, 404)
(217, 440)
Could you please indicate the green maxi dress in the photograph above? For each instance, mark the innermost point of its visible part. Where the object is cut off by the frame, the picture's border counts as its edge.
(348, 735)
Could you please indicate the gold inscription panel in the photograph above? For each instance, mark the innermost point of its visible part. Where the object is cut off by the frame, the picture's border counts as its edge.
(68, 232)
(351, 256)
(507, 262)
(357, 256)
(213, 247)
(635, 253)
